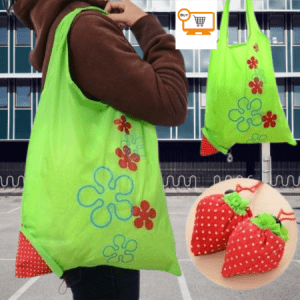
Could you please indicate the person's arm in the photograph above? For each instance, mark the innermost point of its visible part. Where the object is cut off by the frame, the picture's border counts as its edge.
(106, 68)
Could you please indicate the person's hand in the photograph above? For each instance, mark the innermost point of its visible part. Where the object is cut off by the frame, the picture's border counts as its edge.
(125, 13)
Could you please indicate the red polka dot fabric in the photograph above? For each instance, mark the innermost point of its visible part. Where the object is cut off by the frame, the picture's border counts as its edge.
(206, 147)
(214, 222)
(28, 262)
(251, 249)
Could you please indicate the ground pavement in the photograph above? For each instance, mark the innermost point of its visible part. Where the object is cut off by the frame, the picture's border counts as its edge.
(155, 285)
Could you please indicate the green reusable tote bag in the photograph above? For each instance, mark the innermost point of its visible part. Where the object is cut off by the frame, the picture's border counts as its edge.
(242, 101)
(93, 192)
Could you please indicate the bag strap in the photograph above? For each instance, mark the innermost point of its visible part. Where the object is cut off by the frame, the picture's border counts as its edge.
(252, 24)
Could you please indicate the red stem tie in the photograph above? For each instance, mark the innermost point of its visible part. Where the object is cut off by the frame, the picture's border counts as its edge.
(284, 213)
(252, 189)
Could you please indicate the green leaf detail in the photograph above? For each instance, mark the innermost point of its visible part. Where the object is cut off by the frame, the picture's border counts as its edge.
(267, 221)
(236, 202)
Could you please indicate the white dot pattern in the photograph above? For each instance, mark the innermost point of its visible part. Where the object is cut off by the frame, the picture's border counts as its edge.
(246, 252)
(217, 221)
(28, 261)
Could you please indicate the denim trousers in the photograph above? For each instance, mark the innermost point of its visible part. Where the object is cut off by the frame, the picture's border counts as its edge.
(103, 283)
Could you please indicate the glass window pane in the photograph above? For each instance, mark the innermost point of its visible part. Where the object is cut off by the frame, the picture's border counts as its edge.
(234, 5)
(161, 5)
(297, 93)
(186, 130)
(133, 40)
(296, 59)
(277, 29)
(259, 19)
(163, 132)
(257, 5)
(23, 93)
(191, 85)
(22, 33)
(188, 59)
(295, 4)
(279, 59)
(203, 93)
(233, 30)
(281, 90)
(296, 30)
(142, 4)
(243, 28)
(3, 92)
(139, 51)
(297, 123)
(277, 4)
(204, 60)
(3, 30)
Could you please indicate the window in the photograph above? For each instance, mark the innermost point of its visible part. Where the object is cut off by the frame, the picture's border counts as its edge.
(295, 4)
(161, 5)
(296, 43)
(296, 93)
(188, 60)
(22, 34)
(278, 42)
(191, 85)
(203, 92)
(296, 30)
(281, 91)
(3, 30)
(204, 60)
(23, 93)
(277, 29)
(3, 93)
(233, 30)
(277, 4)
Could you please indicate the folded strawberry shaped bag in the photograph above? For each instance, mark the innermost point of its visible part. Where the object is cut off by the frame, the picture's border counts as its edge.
(216, 217)
(256, 245)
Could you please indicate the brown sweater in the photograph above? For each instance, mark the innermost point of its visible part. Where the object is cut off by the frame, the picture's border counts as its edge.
(105, 66)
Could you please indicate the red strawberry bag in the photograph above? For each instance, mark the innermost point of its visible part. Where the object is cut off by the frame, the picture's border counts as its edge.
(216, 217)
(256, 245)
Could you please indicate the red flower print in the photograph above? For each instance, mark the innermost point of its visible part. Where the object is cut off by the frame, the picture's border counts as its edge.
(144, 215)
(255, 47)
(256, 86)
(252, 62)
(128, 158)
(269, 119)
(123, 124)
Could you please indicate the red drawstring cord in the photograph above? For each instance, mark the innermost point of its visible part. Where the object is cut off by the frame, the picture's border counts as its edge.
(253, 189)
(284, 213)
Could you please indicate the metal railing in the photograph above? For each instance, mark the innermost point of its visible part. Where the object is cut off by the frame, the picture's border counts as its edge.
(187, 182)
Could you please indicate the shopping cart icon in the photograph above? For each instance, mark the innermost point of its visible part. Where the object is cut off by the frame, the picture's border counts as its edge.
(199, 20)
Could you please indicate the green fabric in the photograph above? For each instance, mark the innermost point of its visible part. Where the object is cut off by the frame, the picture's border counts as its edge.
(92, 178)
(234, 105)
(267, 221)
(236, 202)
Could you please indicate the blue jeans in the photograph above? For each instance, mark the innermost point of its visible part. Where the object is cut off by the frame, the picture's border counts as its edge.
(103, 283)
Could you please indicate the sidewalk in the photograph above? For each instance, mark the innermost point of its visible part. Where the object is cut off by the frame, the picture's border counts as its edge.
(170, 192)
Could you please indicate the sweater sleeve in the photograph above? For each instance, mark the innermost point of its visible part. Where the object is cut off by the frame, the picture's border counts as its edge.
(106, 68)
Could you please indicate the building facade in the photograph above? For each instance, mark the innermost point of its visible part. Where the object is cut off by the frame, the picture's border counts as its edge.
(20, 87)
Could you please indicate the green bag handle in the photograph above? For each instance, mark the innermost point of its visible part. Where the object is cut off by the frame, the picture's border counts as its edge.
(252, 25)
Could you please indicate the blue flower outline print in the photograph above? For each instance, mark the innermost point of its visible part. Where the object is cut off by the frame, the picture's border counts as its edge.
(257, 138)
(125, 255)
(246, 114)
(112, 208)
(131, 143)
